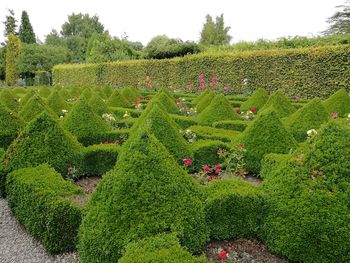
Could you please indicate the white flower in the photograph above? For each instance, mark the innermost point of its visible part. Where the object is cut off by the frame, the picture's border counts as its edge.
(311, 132)
(349, 116)
(64, 111)
(61, 116)
(126, 115)
(108, 117)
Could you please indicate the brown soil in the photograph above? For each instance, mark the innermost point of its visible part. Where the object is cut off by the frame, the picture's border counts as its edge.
(249, 178)
(249, 250)
(88, 184)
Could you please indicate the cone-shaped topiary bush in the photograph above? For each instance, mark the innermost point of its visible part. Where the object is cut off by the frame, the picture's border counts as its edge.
(86, 94)
(218, 110)
(310, 116)
(43, 141)
(160, 248)
(10, 125)
(257, 100)
(165, 130)
(167, 101)
(205, 101)
(57, 103)
(200, 96)
(44, 92)
(108, 91)
(146, 194)
(308, 197)
(265, 135)
(84, 123)
(339, 102)
(27, 97)
(9, 100)
(117, 100)
(34, 107)
(74, 92)
(280, 103)
(98, 105)
(64, 93)
(129, 94)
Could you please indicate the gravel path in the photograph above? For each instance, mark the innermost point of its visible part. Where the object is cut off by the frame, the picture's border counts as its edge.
(16, 246)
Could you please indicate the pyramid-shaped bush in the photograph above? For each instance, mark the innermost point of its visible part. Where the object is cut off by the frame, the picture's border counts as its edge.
(74, 92)
(310, 116)
(339, 102)
(205, 101)
(129, 94)
(280, 103)
(45, 92)
(108, 91)
(265, 135)
(166, 131)
(57, 103)
(118, 100)
(34, 107)
(200, 96)
(168, 102)
(10, 125)
(84, 123)
(43, 140)
(218, 110)
(27, 97)
(86, 94)
(257, 100)
(64, 93)
(308, 199)
(147, 194)
(98, 105)
(9, 100)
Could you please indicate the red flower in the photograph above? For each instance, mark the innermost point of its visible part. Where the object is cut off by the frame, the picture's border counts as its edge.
(106, 142)
(241, 146)
(253, 110)
(187, 161)
(178, 101)
(136, 102)
(206, 168)
(139, 97)
(238, 110)
(222, 255)
(233, 247)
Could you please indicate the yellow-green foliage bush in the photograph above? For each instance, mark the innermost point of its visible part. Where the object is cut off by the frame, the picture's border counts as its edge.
(9, 100)
(339, 102)
(34, 107)
(309, 72)
(280, 103)
(117, 100)
(13, 49)
(257, 100)
(57, 103)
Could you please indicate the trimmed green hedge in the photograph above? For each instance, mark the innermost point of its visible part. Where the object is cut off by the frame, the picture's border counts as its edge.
(2, 174)
(232, 125)
(183, 121)
(99, 159)
(205, 132)
(234, 208)
(308, 72)
(45, 204)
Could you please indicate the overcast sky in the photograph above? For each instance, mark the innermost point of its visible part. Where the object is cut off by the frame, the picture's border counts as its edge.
(143, 19)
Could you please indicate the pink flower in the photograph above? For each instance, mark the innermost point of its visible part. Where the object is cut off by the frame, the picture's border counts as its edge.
(206, 168)
(178, 101)
(238, 110)
(106, 142)
(217, 169)
(136, 102)
(334, 115)
(223, 255)
(187, 161)
(201, 76)
(225, 89)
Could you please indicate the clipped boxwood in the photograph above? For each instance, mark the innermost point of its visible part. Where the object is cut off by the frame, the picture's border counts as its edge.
(205, 152)
(257, 100)
(2, 174)
(118, 100)
(34, 107)
(146, 194)
(339, 102)
(183, 121)
(236, 125)
(10, 125)
(280, 103)
(234, 208)
(98, 159)
(205, 100)
(9, 100)
(44, 203)
(209, 133)
(160, 248)
(57, 103)
(120, 112)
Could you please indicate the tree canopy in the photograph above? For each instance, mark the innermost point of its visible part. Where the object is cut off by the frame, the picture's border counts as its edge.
(340, 21)
(215, 33)
(26, 33)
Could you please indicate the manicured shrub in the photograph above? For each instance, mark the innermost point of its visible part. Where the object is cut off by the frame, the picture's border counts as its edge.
(307, 194)
(57, 103)
(27, 97)
(311, 116)
(44, 91)
(44, 203)
(167, 101)
(146, 194)
(160, 248)
(280, 103)
(183, 121)
(219, 109)
(120, 112)
(10, 125)
(126, 123)
(234, 208)
(200, 96)
(118, 100)
(265, 135)
(84, 123)
(339, 102)
(64, 93)
(205, 101)
(43, 140)
(34, 107)
(204, 132)
(129, 94)
(257, 100)
(86, 94)
(235, 125)
(2, 174)
(205, 152)
(108, 91)
(99, 159)
(9, 100)
(98, 105)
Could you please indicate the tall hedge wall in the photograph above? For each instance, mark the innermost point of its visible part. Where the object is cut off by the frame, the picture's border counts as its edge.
(305, 72)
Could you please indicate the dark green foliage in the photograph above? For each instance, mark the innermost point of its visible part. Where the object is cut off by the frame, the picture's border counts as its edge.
(167, 100)
(10, 23)
(219, 109)
(34, 107)
(10, 125)
(98, 105)
(280, 103)
(339, 102)
(99, 159)
(43, 202)
(146, 194)
(85, 124)
(9, 100)
(183, 121)
(257, 100)
(231, 125)
(2, 174)
(234, 208)
(205, 152)
(205, 101)
(204, 132)
(26, 33)
(160, 248)
(57, 103)
(120, 112)
(42, 78)
(308, 199)
(265, 135)
(117, 100)
(311, 116)
(43, 141)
